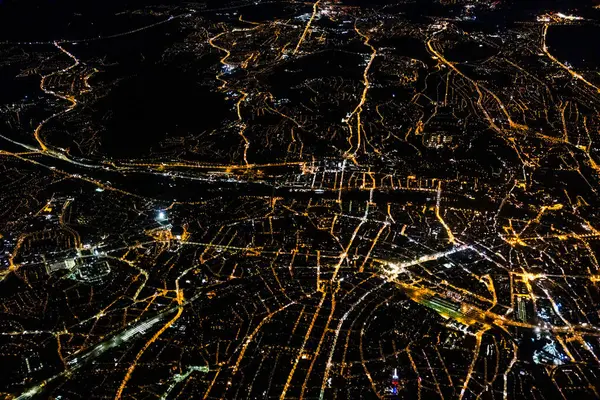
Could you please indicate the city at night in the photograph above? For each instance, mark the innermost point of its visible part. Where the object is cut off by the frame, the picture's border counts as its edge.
(290, 199)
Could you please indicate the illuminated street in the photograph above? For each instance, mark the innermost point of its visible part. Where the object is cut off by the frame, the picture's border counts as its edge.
(328, 199)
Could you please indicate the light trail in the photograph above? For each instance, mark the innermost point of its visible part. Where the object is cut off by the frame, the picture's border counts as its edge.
(243, 126)
(574, 74)
(308, 24)
(451, 238)
(250, 338)
(303, 346)
(477, 87)
(396, 269)
(478, 336)
(133, 365)
(70, 99)
(363, 99)
(329, 364)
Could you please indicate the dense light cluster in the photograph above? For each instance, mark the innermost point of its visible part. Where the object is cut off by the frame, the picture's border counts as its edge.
(275, 199)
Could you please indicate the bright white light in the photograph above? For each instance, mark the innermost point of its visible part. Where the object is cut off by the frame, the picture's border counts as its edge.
(162, 215)
(569, 17)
